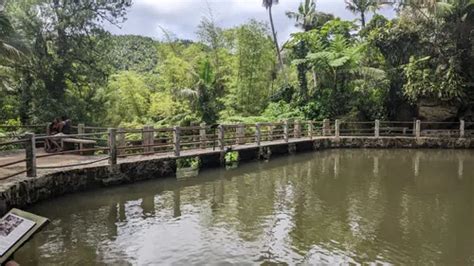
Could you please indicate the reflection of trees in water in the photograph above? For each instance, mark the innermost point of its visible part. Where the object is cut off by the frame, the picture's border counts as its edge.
(380, 214)
(255, 195)
(330, 208)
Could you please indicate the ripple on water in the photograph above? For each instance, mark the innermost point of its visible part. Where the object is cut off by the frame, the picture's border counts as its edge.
(332, 207)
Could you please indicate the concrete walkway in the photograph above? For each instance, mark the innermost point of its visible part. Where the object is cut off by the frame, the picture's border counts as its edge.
(60, 163)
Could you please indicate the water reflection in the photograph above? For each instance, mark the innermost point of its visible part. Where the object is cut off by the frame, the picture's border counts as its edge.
(341, 206)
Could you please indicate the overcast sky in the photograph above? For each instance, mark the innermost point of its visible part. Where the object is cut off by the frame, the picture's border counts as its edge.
(182, 16)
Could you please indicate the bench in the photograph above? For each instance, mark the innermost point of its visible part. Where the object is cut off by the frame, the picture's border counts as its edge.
(78, 144)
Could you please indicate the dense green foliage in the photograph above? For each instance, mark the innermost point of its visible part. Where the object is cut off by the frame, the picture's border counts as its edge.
(133, 53)
(56, 58)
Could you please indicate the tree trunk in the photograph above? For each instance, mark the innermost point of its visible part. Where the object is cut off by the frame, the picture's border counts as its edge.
(362, 19)
(315, 79)
(275, 40)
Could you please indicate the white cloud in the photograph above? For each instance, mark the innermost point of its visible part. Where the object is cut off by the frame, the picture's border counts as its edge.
(182, 16)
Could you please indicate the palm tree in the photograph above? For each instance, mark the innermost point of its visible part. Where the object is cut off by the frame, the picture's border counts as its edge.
(362, 7)
(307, 17)
(268, 5)
(202, 94)
(8, 49)
(440, 8)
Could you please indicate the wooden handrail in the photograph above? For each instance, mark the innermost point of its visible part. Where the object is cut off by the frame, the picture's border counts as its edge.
(177, 138)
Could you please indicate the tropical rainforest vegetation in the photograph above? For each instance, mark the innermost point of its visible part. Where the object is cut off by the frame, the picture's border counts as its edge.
(56, 58)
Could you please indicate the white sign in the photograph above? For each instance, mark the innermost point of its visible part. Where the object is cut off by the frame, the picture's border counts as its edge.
(12, 228)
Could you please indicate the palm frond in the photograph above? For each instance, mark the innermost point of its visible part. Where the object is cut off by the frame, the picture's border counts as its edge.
(376, 74)
(323, 55)
(7, 51)
(187, 93)
(338, 62)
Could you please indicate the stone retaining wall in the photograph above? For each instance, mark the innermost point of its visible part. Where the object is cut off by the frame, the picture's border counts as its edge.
(22, 192)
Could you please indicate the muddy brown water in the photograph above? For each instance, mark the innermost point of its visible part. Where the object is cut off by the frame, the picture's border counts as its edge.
(329, 207)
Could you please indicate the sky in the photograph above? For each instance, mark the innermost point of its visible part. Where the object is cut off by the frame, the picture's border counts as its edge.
(182, 17)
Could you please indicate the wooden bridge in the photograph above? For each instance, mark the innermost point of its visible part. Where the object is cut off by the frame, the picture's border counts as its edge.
(21, 148)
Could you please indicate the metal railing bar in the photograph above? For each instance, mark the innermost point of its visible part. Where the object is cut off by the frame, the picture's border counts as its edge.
(72, 165)
(12, 163)
(12, 175)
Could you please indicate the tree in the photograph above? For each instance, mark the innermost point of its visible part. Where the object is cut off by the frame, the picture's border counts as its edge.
(307, 17)
(68, 52)
(9, 47)
(10, 50)
(254, 64)
(344, 75)
(362, 7)
(127, 98)
(268, 4)
(202, 94)
(425, 81)
(133, 53)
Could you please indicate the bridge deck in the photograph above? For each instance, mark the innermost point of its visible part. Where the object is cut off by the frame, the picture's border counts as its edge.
(57, 162)
(60, 162)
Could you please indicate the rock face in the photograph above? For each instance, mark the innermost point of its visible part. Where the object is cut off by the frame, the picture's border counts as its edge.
(430, 110)
(22, 191)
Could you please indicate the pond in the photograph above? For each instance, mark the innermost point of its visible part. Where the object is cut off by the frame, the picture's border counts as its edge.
(335, 206)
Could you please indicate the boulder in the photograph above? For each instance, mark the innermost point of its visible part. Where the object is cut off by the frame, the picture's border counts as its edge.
(433, 110)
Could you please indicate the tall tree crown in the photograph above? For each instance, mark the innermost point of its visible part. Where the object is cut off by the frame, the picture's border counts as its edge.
(307, 17)
(269, 3)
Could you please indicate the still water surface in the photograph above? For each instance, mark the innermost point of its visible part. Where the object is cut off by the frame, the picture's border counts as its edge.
(339, 206)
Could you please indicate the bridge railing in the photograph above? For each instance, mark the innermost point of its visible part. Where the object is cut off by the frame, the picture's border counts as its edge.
(355, 128)
(117, 143)
(15, 166)
(397, 128)
(440, 129)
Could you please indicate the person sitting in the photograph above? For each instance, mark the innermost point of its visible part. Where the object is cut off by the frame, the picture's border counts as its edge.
(51, 144)
(54, 127)
(65, 125)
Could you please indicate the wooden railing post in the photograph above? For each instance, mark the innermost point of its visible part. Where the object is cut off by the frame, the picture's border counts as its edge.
(462, 132)
(285, 130)
(414, 128)
(297, 129)
(177, 141)
(30, 149)
(270, 131)
(310, 129)
(221, 137)
(112, 146)
(148, 138)
(121, 142)
(258, 134)
(337, 125)
(240, 132)
(326, 127)
(418, 129)
(203, 135)
(377, 128)
(195, 135)
(80, 130)
(151, 138)
(145, 138)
